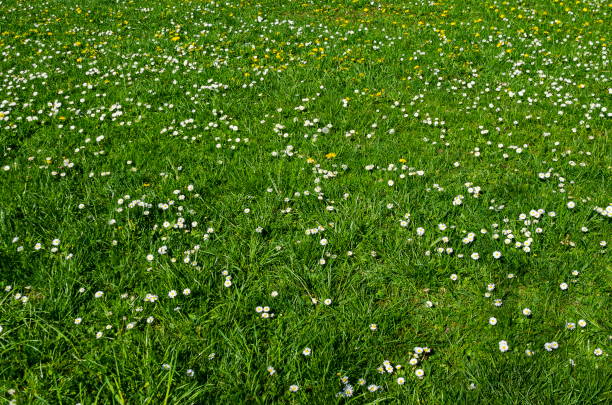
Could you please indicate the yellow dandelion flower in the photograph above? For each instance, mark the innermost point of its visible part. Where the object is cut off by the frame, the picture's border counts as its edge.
(330, 155)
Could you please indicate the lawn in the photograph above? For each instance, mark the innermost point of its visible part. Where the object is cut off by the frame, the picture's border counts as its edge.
(307, 201)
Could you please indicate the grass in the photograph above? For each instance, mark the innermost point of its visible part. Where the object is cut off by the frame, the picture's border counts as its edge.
(281, 154)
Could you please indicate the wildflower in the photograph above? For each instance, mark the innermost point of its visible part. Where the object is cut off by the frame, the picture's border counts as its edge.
(503, 346)
(492, 321)
(190, 373)
(526, 311)
(227, 283)
(598, 352)
(419, 373)
(401, 380)
(582, 323)
(271, 370)
(307, 351)
(563, 286)
(130, 326)
(99, 335)
(172, 294)
(454, 277)
(294, 388)
(77, 321)
(361, 381)
(166, 366)
(373, 388)
(571, 204)
(570, 325)
(497, 255)
(98, 294)
(475, 256)
(373, 327)
(529, 353)
(327, 301)
(186, 291)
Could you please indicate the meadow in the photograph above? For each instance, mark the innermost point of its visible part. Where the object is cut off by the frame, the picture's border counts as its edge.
(259, 201)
